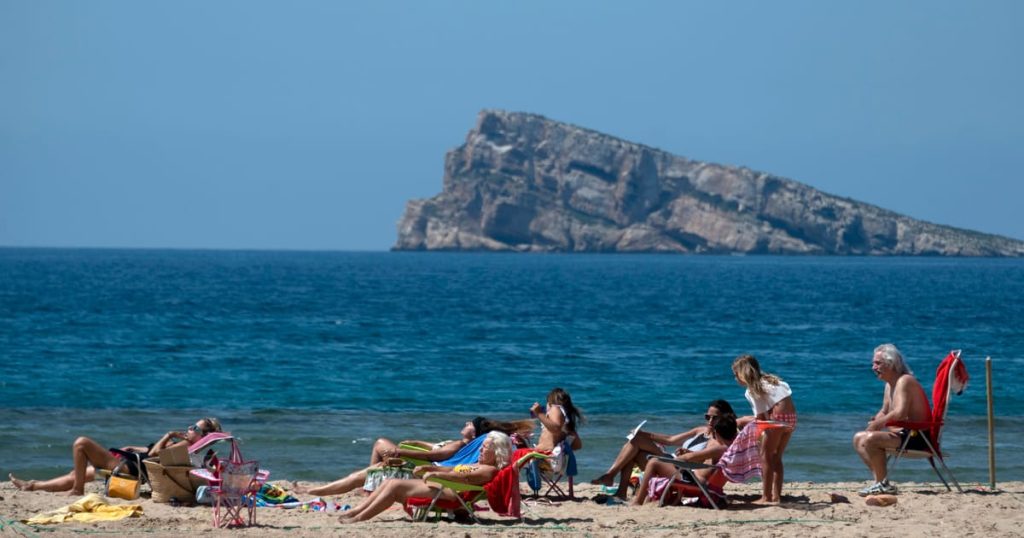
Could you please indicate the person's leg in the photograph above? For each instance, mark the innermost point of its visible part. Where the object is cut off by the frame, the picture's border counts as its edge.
(342, 485)
(641, 442)
(381, 447)
(780, 469)
(387, 494)
(772, 446)
(84, 452)
(871, 447)
(640, 460)
(654, 468)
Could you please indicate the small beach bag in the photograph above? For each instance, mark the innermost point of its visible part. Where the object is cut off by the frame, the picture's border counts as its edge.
(121, 485)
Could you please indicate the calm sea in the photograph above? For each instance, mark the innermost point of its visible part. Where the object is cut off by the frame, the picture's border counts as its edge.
(309, 356)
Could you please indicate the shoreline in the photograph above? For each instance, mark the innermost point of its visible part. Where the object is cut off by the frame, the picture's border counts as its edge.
(807, 509)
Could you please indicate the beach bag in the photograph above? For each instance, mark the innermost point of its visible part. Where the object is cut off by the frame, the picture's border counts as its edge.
(171, 484)
(122, 487)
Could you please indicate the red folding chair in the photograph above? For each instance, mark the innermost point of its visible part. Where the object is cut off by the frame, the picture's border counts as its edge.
(950, 377)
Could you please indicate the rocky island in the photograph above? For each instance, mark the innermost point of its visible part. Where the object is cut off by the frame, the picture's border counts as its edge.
(524, 183)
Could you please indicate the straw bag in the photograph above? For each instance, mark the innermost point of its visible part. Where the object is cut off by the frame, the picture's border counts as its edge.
(170, 483)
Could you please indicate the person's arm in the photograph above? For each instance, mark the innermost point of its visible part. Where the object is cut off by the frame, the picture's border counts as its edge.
(743, 421)
(477, 475)
(701, 456)
(171, 438)
(139, 449)
(895, 405)
(437, 454)
(425, 445)
(552, 419)
(677, 439)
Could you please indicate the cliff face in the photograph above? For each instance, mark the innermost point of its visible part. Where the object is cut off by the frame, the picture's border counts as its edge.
(522, 182)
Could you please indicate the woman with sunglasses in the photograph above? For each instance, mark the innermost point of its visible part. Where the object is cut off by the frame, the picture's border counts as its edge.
(88, 455)
(643, 444)
(723, 432)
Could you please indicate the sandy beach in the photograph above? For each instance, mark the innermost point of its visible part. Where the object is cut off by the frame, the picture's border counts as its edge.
(808, 509)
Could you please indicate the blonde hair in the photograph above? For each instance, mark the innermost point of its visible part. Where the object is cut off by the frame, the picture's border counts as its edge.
(748, 371)
(502, 446)
(212, 424)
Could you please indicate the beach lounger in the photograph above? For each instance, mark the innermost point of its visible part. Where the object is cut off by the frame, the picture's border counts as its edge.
(950, 377)
(501, 493)
(709, 494)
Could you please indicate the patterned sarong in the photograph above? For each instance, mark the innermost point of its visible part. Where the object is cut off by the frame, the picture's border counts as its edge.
(742, 460)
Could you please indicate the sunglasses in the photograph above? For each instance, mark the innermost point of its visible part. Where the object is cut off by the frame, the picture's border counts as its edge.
(197, 429)
(710, 417)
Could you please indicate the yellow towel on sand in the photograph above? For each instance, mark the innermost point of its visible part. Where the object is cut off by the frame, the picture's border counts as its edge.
(90, 508)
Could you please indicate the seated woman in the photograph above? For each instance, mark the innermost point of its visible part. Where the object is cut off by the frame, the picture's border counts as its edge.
(723, 431)
(559, 420)
(643, 444)
(495, 454)
(385, 450)
(88, 455)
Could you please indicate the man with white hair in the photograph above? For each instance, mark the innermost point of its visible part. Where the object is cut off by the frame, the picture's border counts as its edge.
(905, 400)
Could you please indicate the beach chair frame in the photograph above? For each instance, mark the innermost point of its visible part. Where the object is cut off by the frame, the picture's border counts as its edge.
(927, 429)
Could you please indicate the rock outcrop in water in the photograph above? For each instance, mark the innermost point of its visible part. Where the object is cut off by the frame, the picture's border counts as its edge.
(522, 182)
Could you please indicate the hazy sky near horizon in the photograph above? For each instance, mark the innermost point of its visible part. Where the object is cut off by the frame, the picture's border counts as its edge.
(308, 125)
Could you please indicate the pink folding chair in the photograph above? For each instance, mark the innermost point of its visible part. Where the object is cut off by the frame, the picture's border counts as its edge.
(234, 486)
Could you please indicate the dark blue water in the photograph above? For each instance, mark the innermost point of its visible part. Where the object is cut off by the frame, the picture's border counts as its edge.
(309, 356)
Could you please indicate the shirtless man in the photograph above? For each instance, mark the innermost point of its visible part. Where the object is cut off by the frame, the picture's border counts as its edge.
(904, 399)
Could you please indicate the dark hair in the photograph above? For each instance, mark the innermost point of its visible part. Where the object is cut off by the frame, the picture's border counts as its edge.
(725, 427)
(723, 406)
(484, 425)
(573, 415)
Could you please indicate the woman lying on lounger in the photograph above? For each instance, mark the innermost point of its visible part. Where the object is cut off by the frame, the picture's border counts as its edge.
(644, 444)
(723, 431)
(495, 454)
(88, 455)
(385, 451)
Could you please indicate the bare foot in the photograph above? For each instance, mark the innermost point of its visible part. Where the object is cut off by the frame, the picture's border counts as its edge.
(296, 488)
(73, 493)
(23, 485)
(765, 501)
(603, 480)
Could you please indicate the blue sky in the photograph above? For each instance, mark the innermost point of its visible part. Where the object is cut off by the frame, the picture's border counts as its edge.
(308, 125)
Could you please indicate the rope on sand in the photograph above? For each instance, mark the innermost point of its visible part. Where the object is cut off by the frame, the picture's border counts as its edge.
(785, 521)
(15, 526)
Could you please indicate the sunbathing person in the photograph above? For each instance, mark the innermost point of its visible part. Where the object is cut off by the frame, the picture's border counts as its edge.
(495, 454)
(559, 420)
(88, 455)
(643, 444)
(723, 431)
(385, 450)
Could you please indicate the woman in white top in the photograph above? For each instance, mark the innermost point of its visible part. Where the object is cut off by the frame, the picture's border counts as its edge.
(643, 444)
(772, 400)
